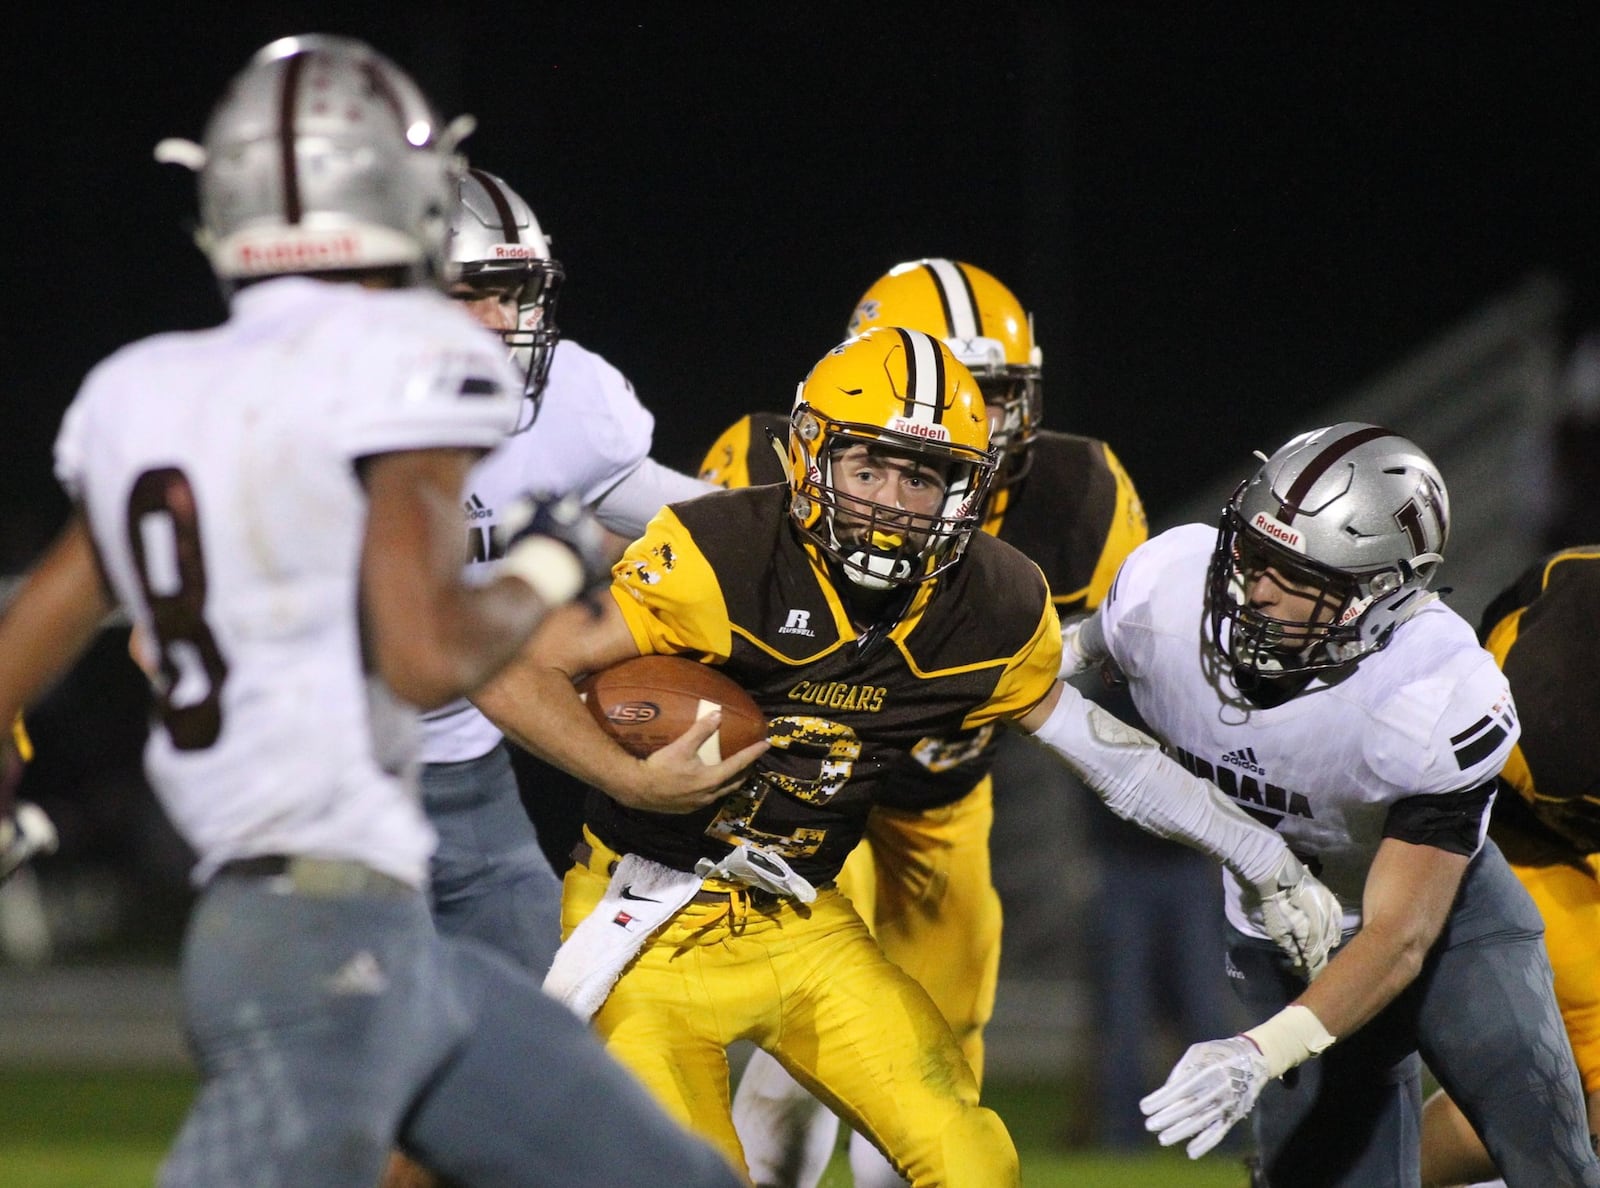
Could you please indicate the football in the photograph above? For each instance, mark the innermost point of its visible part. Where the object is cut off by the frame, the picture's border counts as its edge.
(646, 702)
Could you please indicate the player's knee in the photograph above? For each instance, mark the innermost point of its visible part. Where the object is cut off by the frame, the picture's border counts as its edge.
(978, 1151)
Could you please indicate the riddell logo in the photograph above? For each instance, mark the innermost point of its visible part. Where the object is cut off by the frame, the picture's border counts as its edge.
(919, 429)
(512, 251)
(340, 250)
(1279, 531)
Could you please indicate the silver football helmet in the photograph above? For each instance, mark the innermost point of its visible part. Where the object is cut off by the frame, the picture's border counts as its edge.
(323, 156)
(1354, 515)
(497, 247)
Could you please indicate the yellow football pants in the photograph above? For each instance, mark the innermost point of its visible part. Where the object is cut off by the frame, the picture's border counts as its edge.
(808, 984)
(922, 882)
(1568, 897)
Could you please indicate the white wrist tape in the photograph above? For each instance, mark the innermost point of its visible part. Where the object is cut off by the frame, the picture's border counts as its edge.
(1128, 771)
(550, 567)
(1291, 1037)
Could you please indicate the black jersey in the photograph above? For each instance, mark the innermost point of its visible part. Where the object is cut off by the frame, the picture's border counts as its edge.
(1545, 632)
(1074, 514)
(725, 579)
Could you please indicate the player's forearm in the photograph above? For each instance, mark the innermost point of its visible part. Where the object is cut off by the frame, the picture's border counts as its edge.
(537, 707)
(1128, 771)
(1409, 891)
(50, 621)
(1369, 971)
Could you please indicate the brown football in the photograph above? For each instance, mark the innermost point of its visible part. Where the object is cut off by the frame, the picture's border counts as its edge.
(646, 702)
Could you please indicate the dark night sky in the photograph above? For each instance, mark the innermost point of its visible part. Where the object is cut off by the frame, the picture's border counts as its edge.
(1221, 220)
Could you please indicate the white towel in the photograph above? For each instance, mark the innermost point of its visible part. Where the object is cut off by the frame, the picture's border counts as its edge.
(642, 896)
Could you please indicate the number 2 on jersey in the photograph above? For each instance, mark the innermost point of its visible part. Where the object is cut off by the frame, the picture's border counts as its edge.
(164, 539)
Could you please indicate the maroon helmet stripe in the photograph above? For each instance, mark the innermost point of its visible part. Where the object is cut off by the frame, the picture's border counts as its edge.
(378, 80)
(502, 207)
(1289, 504)
(286, 137)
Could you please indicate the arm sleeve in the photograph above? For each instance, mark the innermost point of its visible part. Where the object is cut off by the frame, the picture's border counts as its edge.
(1136, 781)
(629, 505)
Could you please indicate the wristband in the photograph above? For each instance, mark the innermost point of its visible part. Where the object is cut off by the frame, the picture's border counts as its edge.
(1291, 1037)
(551, 568)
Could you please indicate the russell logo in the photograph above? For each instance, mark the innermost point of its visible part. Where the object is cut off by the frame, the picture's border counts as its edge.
(1279, 531)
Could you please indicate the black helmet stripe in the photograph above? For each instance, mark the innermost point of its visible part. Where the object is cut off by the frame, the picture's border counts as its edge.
(956, 299)
(924, 397)
(1289, 503)
(292, 69)
(502, 205)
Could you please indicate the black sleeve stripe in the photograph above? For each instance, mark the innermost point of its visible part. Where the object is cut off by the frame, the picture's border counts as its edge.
(1449, 821)
(1478, 741)
(1476, 752)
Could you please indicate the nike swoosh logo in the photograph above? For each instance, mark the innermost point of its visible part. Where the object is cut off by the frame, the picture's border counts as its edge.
(627, 893)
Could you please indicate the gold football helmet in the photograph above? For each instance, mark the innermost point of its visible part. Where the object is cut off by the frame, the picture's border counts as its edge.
(984, 326)
(902, 394)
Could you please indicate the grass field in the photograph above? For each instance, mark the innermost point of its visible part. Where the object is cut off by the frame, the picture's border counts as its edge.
(109, 1129)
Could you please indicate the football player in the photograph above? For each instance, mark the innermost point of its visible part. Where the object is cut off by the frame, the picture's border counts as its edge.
(844, 602)
(582, 432)
(274, 502)
(1297, 657)
(922, 877)
(1546, 818)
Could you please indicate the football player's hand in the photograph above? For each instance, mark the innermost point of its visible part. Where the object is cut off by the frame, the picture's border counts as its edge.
(23, 834)
(1301, 915)
(1082, 646)
(556, 545)
(1212, 1087)
(679, 779)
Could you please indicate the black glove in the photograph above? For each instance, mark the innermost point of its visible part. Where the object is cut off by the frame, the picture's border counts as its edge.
(555, 544)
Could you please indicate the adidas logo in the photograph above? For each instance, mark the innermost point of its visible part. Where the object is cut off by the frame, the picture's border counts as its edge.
(476, 510)
(360, 975)
(1245, 759)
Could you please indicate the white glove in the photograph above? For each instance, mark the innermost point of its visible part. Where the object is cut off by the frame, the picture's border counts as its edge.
(760, 869)
(26, 832)
(1083, 646)
(1212, 1087)
(1301, 915)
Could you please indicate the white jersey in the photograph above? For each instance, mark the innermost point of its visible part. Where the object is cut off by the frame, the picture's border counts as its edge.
(591, 432)
(1428, 714)
(217, 472)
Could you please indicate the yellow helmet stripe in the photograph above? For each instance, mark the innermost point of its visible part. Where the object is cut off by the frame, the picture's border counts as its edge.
(955, 298)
